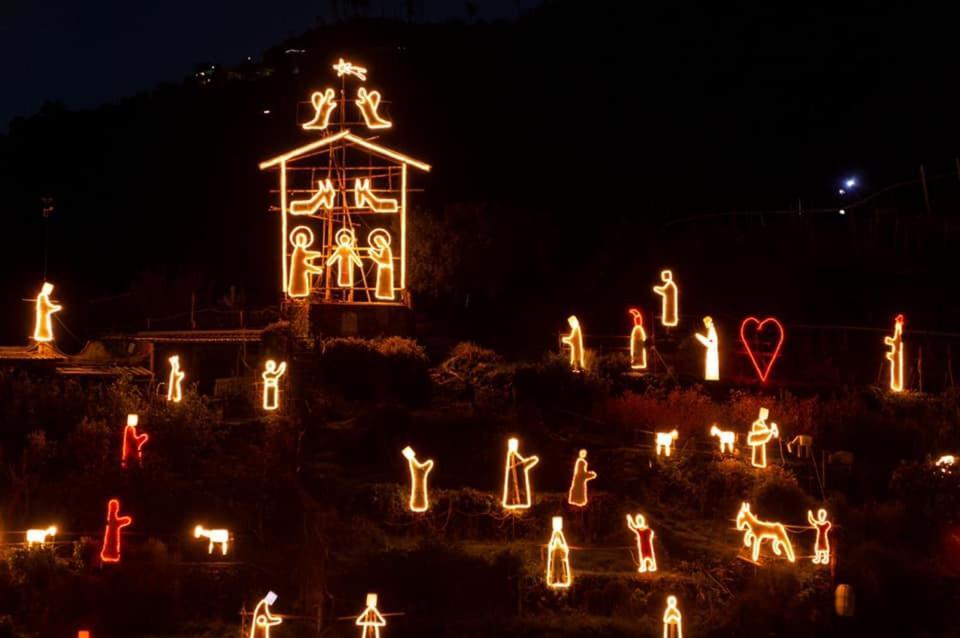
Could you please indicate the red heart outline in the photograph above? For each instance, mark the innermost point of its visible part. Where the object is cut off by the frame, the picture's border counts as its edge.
(763, 374)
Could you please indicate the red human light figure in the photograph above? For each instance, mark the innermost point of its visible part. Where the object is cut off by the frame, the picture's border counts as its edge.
(110, 553)
(648, 559)
(638, 340)
(132, 442)
(822, 545)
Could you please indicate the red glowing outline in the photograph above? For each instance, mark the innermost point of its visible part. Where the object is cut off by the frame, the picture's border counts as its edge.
(763, 374)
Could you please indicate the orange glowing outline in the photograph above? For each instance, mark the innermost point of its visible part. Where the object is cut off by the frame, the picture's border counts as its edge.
(371, 620)
(577, 495)
(263, 618)
(670, 294)
(559, 575)
(302, 268)
(174, 381)
(419, 497)
(342, 67)
(132, 442)
(324, 103)
(711, 364)
(665, 442)
(895, 355)
(758, 437)
(345, 134)
(672, 620)
(638, 339)
(39, 536)
(645, 552)
(574, 341)
(369, 105)
(363, 197)
(804, 444)
(110, 551)
(45, 309)
(344, 257)
(219, 537)
(324, 197)
(765, 373)
(271, 383)
(516, 497)
(380, 254)
(822, 544)
(946, 463)
(727, 438)
(757, 531)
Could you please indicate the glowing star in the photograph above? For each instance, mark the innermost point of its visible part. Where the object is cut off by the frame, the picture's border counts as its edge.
(263, 618)
(668, 291)
(822, 545)
(711, 365)
(648, 559)
(672, 620)
(516, 489)
(370, 620)
(581, 476)
(665, 442)
(324, 102)
(559, 575)
(574, 341)
(756, 531)
(45, 309)
(752, 325)
(344, 257)
(381, 255)
(638, 340)
(132, 441)
(271, 384)
(110, 552)
(219, 537)
(40, 536)
(419, 499)
(369, 105)
(302, 268)
(175, 380)
(726, 437)
(324, 198)
(895, 355)
(342, 67)
(758, 437)
(363, 197)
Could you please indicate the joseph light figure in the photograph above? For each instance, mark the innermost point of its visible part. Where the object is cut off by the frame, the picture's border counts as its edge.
(516, 480)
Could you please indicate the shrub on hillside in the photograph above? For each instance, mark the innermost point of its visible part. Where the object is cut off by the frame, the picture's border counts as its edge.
(394, 368)
(551, 382)
(475, 373)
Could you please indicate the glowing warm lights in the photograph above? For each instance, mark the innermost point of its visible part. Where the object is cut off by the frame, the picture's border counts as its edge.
(175, 380)
(672, 619)
(753, 326)
(581, 476)
(559, 575)
(727, 438)
(324, 197)
(822, 545)
(711, 366)
(648, 558)
(369, 105)
(756, 531)
(345, 257)
(214, 537)
(271, 383)
(302, 268)
(132, 441)
(517, 494)
(638, 340)
(665, 442)
(669, 293)
(45, 309)
(370, 620)
(803, 444)
(419, 498)
(380, 254)
(83, 633)
(342, 67)
(263, 618)
(574, 341)
(895, 355)
(324, 102)
(40, 536)
(364, 197)
(946, 462)
(758, 437)
(110, 552)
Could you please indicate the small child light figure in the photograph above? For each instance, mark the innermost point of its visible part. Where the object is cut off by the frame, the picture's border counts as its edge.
(263, 618)
(672, 620)
(647, 557)
(822, 545)
(758, 437)
(174, 381)
(577, 495)
(559, 575)
(344, 257)
(419, 499)
(271, 384)
(132, 442)
(711, 370)
(638, 340)
(45, 309)
(371, 620)
(574, 341)
(669, 293)
(895, 355)
(517, 494)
